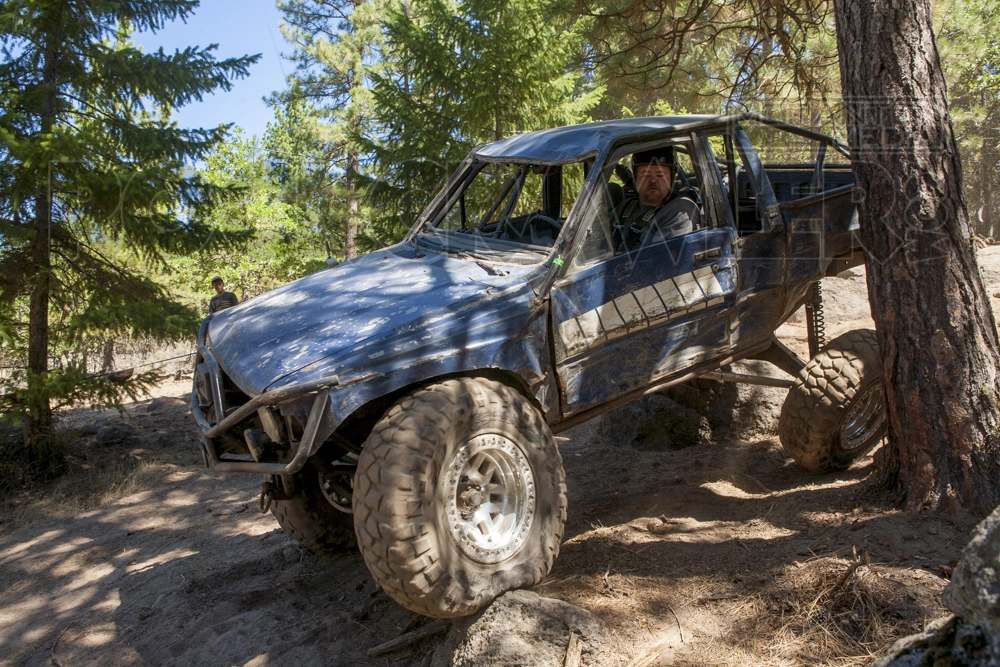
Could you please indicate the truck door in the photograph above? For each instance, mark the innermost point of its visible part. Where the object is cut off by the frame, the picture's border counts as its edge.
(624, 321)
(753, 213)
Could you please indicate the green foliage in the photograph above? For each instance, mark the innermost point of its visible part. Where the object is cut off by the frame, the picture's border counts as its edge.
(304, 163)
(263, 241)
(93, 187)
(969, 42)
(714, 56)
(464, 73)
(337, 49)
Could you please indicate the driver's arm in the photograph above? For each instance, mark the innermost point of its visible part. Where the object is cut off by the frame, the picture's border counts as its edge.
(680, 216)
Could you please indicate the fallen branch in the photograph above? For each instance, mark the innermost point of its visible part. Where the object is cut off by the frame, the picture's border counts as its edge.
(851, 570)
(679, 628)
(410, 638)
(573, 652)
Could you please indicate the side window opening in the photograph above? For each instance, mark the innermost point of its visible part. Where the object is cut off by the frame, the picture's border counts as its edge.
(614, 218)
(797, 166)
(737, 185)
(654, 195)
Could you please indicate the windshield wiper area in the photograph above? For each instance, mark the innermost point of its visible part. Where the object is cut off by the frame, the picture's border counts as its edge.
(485, 266)
(480, 248)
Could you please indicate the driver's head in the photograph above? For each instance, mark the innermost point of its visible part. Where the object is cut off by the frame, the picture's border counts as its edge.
(654, 174)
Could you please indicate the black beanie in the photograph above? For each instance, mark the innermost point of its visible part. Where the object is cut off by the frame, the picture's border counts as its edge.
(663, 155)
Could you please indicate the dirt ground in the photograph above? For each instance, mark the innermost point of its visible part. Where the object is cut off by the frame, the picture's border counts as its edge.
(724, 553)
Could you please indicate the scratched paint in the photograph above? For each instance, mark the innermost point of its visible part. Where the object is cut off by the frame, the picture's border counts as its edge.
(666, 300)
(290, 328)
(400, 316)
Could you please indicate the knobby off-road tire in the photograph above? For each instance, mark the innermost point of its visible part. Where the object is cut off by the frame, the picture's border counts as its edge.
(835, 411)
(415, 497)
(309, 519)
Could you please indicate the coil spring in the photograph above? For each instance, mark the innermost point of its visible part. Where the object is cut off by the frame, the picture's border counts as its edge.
(816, 321)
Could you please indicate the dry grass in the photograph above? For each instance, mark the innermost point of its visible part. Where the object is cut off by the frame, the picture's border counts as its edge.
(85, 489)
(828, 611)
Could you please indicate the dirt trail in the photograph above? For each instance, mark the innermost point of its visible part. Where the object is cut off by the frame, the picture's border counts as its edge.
(729, 544)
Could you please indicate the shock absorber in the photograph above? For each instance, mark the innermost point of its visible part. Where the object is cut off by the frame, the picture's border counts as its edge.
(815, 322)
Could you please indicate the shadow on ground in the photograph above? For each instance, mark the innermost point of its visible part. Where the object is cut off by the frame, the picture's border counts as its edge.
(728, 544)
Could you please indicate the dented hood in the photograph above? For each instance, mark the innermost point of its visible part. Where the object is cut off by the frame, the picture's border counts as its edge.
(266, 338)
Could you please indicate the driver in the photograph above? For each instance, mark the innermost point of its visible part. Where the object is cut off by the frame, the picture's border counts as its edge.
(659, 212)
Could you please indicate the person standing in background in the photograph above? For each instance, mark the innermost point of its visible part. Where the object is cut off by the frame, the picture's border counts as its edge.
(222, 298)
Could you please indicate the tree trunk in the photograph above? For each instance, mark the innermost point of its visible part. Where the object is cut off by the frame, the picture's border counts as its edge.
(108, 363)
(935, 328)
(988, 162)
(351, 225)
(39, 424)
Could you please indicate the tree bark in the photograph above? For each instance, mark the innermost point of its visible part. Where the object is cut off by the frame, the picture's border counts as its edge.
(351, 224)
(935, 327)
(39, 425)
(988, 162)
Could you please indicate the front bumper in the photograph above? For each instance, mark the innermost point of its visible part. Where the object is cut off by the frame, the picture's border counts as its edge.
(207, 372)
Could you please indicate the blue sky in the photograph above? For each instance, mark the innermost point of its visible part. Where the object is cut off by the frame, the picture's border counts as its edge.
(239, 27)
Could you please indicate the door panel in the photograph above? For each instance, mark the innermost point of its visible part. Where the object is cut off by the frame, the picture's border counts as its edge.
(635, 318)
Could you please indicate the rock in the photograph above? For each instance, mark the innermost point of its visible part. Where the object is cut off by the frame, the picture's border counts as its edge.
(117, 434)
(521, 628)
(159, 404)
(655, 422)
(974, 591)
(945, 642)
(716, 401)
(169, 439)
(91, 428)
(972, 636)
(694, 412)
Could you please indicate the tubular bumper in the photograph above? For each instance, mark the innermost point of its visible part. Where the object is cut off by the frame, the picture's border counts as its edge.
(303, 448)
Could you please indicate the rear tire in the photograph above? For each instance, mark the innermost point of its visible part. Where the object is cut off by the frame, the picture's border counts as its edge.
(310, 519)
(835, 411)
(460, 496)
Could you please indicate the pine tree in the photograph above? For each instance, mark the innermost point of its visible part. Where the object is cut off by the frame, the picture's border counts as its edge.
(337, 47)
(716, 56)
(303, 163)
(463, 73)
(970, 51)
(936, 331)
(271, 240)
(88, 155)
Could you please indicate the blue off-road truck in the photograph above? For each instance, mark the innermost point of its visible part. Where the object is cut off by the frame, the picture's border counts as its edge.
(408, 399)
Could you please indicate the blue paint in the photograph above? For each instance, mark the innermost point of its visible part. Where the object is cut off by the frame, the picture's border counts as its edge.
(410, 313)
(297, 329)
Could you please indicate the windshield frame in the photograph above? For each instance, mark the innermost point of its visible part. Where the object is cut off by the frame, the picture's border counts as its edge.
(452, 194)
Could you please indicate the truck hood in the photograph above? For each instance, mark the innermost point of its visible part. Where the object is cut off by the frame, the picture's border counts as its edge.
(263, 340)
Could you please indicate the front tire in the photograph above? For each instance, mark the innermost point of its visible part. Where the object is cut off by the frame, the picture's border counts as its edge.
(309, 518)
(460, 495)
(835, 412)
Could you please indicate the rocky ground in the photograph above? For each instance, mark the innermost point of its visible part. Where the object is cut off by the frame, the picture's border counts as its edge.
(715, 554)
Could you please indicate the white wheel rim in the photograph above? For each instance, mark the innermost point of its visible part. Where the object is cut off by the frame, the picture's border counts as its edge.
(490, 494)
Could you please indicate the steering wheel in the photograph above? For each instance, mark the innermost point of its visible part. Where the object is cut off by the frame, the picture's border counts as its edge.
(527, 225)
(554, 224)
